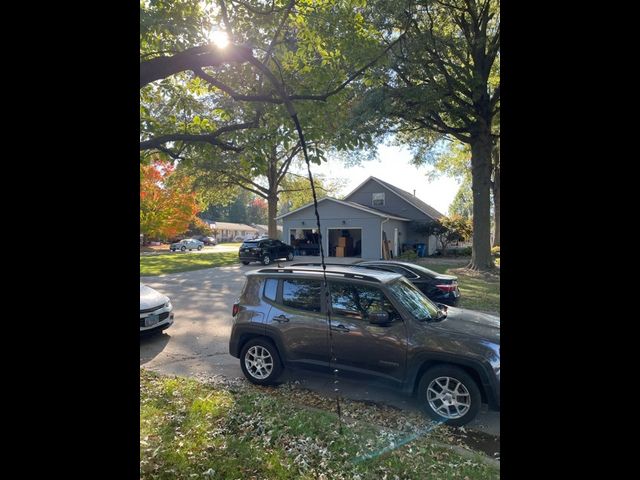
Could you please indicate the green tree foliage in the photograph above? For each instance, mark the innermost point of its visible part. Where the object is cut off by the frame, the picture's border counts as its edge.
(462, 203)
(442, 83)
(447, 230)
(297, 190)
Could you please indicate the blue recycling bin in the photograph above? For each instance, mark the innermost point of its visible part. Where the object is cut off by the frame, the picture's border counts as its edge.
(421, 249)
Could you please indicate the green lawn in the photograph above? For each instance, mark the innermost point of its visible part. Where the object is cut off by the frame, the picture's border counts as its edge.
(190, 429)
(183, 262)
(476, 293)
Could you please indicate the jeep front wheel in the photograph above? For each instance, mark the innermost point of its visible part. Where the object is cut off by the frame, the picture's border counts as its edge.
(449, 395)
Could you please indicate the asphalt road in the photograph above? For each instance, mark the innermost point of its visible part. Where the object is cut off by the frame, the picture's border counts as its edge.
(197, 343)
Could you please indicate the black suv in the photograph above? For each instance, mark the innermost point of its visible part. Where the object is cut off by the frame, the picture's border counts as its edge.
(383, 328)
(264, 250)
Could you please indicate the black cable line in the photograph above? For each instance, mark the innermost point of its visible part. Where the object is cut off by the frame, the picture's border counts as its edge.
(332, 358)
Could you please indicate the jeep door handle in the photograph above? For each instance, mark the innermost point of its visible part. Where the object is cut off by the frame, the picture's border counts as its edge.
(340, 328)
(281, 318)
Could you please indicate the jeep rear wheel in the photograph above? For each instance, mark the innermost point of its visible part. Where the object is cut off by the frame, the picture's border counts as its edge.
(266, 260)
(260, 362)
(449, 395)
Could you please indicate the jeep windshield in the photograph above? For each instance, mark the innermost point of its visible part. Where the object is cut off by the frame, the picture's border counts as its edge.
(415, 301)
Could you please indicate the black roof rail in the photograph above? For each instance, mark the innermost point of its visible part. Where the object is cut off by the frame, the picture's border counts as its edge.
(304, 270)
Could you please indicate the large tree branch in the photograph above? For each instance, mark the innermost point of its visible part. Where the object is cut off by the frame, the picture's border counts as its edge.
(231, 92)
(210, 138)
(190, 59)
(284, 167)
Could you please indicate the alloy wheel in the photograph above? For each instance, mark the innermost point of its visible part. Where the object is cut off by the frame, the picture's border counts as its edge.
(259, 362)
(448, 397)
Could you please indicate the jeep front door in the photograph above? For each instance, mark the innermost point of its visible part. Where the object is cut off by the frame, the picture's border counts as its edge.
(362, 347)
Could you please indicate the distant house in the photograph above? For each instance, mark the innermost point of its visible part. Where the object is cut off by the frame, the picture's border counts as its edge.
(230, 232)
(264, 229)
(357, 226)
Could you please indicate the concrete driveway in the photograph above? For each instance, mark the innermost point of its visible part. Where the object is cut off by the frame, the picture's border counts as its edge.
(197, 343)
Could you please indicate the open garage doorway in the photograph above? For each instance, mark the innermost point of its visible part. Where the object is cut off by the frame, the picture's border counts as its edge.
(305, 241)
(345, 242)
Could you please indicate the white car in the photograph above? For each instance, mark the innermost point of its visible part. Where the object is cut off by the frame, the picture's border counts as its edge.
(156, 311)
(187, 243)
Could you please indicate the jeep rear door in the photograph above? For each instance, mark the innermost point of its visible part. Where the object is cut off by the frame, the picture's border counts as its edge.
(298, 321)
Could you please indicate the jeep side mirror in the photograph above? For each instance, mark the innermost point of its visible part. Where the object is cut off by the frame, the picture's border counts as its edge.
(379, 318)
(442, 306)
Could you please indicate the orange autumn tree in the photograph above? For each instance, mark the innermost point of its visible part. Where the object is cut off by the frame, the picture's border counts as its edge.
(167, 204)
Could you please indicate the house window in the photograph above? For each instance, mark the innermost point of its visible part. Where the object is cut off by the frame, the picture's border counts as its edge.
(378, 199)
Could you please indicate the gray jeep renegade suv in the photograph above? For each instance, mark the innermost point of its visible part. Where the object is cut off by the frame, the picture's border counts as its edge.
(382, 327)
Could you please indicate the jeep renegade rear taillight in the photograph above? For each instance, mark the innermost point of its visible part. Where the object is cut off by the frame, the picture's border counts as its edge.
(236, 309)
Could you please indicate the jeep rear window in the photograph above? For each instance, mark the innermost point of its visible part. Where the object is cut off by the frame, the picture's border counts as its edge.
(250, 244)
(251, 292)
(271, 288)
(301, 294)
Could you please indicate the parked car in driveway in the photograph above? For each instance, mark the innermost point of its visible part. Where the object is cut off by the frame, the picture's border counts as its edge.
(383, 329)
(439, 287)
(210, 241)
(187, 244)
(156, 311)
(265, 250)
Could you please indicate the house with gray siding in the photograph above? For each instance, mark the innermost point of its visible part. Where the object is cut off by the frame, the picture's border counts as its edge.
(357, 225)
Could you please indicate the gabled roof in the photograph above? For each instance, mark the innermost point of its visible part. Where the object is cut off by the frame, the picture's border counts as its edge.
(348, 204)
(408, 197)
(234, 226)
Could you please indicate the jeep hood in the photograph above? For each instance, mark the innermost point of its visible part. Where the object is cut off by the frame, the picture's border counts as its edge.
(470, 322)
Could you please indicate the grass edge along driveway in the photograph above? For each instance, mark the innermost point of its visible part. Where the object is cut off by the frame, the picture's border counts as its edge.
(153, 265)
(190, 429)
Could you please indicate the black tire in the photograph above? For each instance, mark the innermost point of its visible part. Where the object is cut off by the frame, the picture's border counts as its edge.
(457, 374)
(199, 247)
(261, 345)
(290, 256)
(183, 249)
(245, 263)
(266, 260)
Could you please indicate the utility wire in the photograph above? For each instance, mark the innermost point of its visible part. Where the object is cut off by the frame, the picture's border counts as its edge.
(332, 358)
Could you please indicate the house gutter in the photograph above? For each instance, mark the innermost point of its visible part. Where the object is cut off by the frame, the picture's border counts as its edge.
(381, 241)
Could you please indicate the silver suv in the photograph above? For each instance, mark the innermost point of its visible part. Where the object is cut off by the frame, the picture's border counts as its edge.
(382, 327)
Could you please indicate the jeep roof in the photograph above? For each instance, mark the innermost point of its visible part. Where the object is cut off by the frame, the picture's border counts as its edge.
(333, 271)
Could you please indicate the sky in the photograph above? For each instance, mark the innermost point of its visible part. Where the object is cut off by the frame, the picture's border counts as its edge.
(393, 166)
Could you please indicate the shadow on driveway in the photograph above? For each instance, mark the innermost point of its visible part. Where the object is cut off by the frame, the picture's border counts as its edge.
(152, 345)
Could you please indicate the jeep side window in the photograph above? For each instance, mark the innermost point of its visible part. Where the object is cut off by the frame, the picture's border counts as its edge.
(271, 288)
(358, 301)
(301, 294)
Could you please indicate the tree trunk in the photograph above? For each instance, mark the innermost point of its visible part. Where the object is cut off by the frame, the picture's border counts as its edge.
(272, 202)
(272, 197)
(496, 194)
(481, 146)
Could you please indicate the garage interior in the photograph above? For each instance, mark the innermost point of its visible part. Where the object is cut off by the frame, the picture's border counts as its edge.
(305, 241)
(345, 242)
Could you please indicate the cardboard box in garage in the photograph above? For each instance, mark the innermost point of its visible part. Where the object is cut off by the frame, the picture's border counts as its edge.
(340, 251)
(345, 242)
